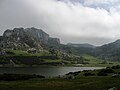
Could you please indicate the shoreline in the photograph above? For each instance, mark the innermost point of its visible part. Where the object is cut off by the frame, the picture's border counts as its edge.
(15, 66)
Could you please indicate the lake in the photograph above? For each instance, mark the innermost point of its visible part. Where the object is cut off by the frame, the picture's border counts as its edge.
(45, 71)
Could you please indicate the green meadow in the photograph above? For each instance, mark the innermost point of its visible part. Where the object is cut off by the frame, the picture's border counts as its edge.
(84, 80)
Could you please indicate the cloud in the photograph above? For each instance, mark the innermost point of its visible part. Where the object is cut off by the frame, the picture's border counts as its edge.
(77, 22)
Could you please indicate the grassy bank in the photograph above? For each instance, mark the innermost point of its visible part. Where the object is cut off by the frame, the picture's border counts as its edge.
(85, 80)
(82, 83)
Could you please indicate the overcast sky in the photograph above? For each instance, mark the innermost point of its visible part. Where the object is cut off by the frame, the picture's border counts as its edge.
(78, 21)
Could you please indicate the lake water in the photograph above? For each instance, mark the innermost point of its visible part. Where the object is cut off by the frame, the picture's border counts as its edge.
(45, 71)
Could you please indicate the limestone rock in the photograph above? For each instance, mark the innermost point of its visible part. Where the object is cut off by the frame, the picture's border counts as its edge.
(20, 38)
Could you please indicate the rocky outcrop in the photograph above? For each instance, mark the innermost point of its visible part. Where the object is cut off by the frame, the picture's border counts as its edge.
(1, 38)
(20, 38)
(54, 41)
(38, 35)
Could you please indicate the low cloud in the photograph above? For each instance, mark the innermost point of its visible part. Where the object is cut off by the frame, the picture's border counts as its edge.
(71, 21)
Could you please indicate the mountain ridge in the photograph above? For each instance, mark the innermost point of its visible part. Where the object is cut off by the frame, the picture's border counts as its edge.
(81, 45)
(24, 39)
(110, 51)
(20, 38)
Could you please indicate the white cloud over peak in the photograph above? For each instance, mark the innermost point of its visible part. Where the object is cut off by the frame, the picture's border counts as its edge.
(79, 22)
(92, 2)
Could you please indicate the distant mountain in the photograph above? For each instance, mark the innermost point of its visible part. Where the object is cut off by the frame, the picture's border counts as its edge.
(80, 49)
(86, 45)
(109, 51)
(20, 38)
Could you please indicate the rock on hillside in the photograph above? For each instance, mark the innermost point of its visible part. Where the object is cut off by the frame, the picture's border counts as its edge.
(20, 38)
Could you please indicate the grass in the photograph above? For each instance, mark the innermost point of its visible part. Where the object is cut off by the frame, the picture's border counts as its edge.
(58, 60)
(95, 62)
(81, 82)
(92, 60)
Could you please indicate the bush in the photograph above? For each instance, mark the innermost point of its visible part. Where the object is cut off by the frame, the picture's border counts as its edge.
(102, 74)
(13, 77)
(88, 74)
(116, 67)
(10, 53)
(73, 73)
(86, 70)
(108, 70)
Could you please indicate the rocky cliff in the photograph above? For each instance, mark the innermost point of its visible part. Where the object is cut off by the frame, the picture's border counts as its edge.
(20, 38)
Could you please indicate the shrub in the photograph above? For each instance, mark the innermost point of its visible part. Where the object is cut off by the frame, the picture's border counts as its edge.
(86, 70)
(104, 72)
(108, 70)
(73, 73)
(116, 67)
(10, 53)
(13, 77)
(88, 74)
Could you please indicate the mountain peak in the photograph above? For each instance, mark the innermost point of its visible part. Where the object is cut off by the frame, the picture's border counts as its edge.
(86, 45)
(20, 38)
(117, 41)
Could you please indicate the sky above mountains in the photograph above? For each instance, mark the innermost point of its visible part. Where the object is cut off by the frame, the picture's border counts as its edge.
(79, 21)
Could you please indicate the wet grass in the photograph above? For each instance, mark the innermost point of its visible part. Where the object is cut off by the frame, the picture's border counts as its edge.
(80, 82)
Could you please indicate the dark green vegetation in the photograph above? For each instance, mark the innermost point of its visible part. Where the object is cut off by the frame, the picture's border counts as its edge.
(44, 57)
(51, 57)
(14, 77)
(109, 52)
(82, 83)
(81, 49)
(84, 80)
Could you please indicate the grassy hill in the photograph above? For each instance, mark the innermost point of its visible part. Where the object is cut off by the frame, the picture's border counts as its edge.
(44, 57)
(20, 57)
